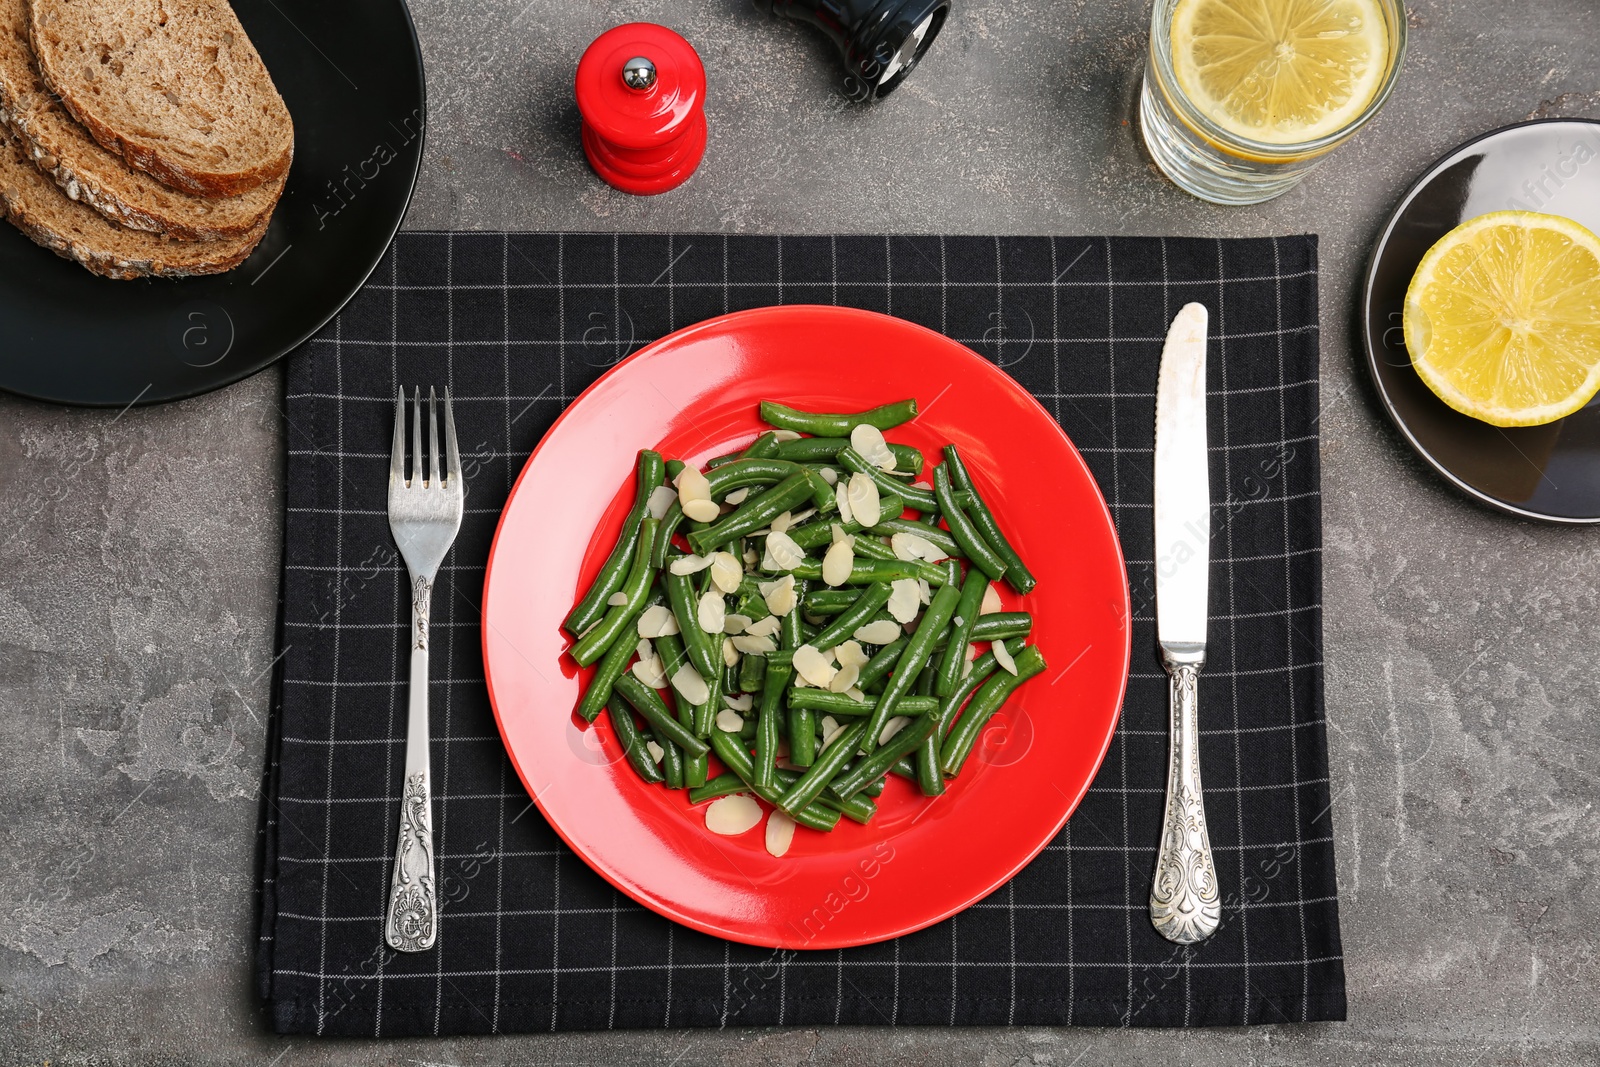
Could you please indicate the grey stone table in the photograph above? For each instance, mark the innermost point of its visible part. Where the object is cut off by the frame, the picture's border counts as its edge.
(138, 559)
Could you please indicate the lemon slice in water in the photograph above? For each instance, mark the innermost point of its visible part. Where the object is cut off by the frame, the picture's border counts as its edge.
(1502, 318)
(1280, 71)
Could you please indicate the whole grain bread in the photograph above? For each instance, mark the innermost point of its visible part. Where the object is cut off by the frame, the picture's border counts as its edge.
(90, 174)
(36, 206)
(173, 86)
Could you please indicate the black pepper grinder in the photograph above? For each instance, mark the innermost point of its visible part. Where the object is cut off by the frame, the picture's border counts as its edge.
(881, 40)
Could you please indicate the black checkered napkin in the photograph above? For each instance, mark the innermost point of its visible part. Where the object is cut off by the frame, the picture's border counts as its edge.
(530, 938)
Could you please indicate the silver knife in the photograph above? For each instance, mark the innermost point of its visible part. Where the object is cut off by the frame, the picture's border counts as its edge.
(1185, 904)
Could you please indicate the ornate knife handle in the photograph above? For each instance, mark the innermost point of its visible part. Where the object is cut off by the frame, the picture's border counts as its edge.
(1185, 905)
(413, 920)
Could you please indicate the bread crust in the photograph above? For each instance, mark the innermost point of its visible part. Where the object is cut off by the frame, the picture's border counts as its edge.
(139, 148)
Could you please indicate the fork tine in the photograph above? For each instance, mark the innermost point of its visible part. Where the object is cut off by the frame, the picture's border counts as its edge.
(452, 454)
(397, 454)
(416, 439)
(435, 478)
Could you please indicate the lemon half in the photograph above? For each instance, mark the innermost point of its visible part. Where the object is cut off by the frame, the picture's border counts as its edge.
(1502, 318)
(1280, 71)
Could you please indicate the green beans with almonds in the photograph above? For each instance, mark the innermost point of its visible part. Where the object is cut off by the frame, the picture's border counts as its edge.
(912, 660)
(819, 531)
(973, 546)
(633, 743)
(614, 571)
(828, 764)
(884, 757)
(731, 751)
(837, 704)
(857, 615)
(1017, 573)
(648, 703)
(858, 808)
(819, 424)
(824, 449)
(965, 618)
(984, 703)
(753, 514)
(593, 644)
(920, 499)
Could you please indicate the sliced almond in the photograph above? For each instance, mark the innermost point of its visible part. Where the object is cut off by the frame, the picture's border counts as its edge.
(881, 632)
(864, 502)
(868, 440)
(781, 522)
(742, 702)
(904, 603)
(841, 497)
(813, 666)
(726, 571)
(694, 496)
(782, 553)
(732, 816)
(758, 645)
(711, 611)
(855, 693)
(909, 546)
(801, 516)
(767, 627)
(849, 652)
(658, 621)
(785, 435)
(735, 624)
(660, 502)
(689, 564)
(831, 729)
(837, 564)
(751, 559)
(829, 475)
(617, 600)
(690, 685)
(924, 591)
(991, 601)
(779, 595)
(892, 727)
(1002, 656)
(844, 678)
(655, 750)
(729, 721)
(730, 652)
(836, 532)
(737, 496)
(780, 833)
(651, 672)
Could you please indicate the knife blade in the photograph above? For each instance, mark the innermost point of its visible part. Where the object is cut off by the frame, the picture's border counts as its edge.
(1185, 901)
(1182, 486)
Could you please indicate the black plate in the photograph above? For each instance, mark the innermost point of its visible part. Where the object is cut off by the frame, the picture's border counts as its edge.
(1549, 472)
(351, 74)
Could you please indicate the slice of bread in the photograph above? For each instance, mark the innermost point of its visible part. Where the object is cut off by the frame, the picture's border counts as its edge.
(33, 204)
(173, 86)
(92, 175)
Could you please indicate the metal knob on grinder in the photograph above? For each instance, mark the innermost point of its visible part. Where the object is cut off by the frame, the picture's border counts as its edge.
(641, 90)
(881, 40)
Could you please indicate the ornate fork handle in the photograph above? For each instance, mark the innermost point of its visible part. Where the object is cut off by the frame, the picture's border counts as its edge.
(413, 921)
(1185, 905)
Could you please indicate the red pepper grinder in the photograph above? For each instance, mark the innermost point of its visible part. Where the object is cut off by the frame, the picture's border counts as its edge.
(641, 90)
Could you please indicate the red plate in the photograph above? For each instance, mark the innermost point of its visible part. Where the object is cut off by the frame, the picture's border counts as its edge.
(693, 395)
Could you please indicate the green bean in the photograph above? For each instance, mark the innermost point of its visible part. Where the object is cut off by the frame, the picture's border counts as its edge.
(673, 655)
(830, 601)
(937, 537)
(649, 704)
(674, 468)
(965, 618)
(702, 719)
(743, 472)
(866, 571)
(686, 609)
(791, 627)
(836, 704)
(820, 424)
(723, 785)
(614, 571)
(882, 663)
(847, 622)
(801, 728)
(612, 664)
(770, 726)
(752, 672)
(822, 449)
(985, 702)
(905, 769)
(752, 514)
(1017, 573)
(828, 764)
(731, 751)
(912, 660)
(879, 762)
(928, 769)
(763, 447)
(973, 546)
(633, 745)
(669, 526)
(930, 779)
(1000, 624)
(920, 499)
(872, 548)
(858, 808)
(593, 644)
(705, 715)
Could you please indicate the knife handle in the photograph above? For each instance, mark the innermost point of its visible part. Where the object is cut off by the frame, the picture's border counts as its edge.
(1185, 905)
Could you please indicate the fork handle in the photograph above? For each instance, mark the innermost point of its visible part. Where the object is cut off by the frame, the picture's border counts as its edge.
(413, 920)
(1185, 904)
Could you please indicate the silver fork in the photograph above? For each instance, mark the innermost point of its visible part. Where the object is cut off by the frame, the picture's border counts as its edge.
(424, 517)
